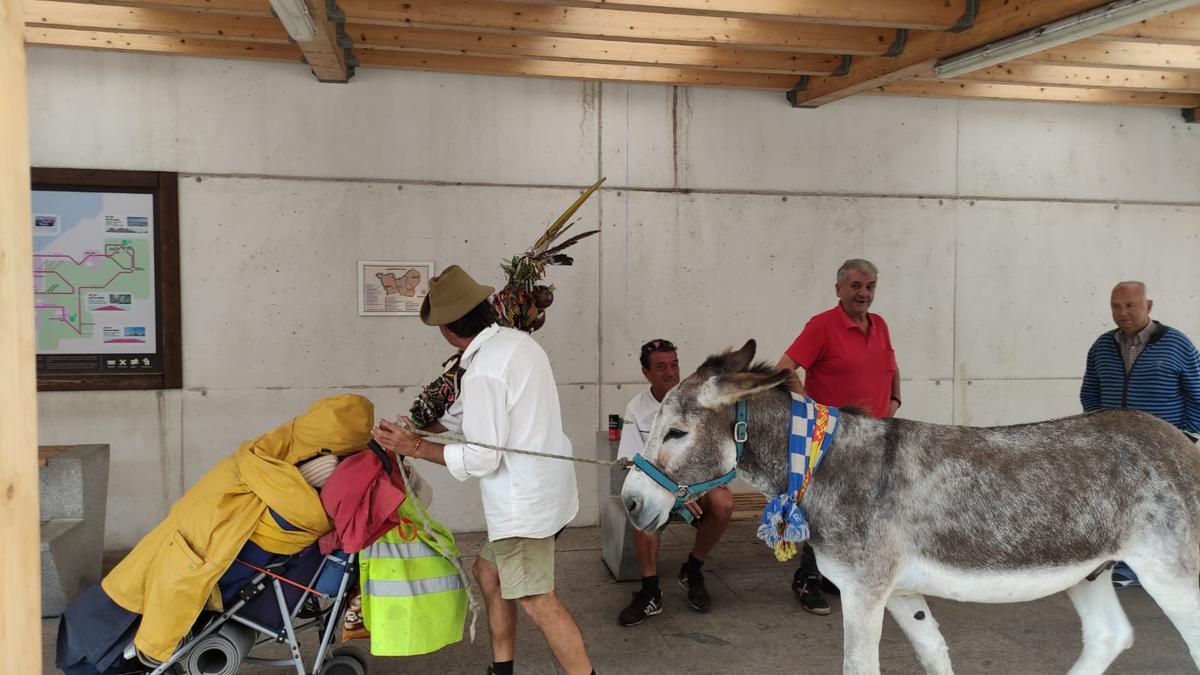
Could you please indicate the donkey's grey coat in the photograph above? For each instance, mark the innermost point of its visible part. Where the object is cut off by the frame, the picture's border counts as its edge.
(902, 508)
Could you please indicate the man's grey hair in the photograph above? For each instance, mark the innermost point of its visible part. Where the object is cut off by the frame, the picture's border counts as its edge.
(858, 265)
(1136, 285)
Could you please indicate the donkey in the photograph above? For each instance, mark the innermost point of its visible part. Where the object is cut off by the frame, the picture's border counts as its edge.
(902, 509)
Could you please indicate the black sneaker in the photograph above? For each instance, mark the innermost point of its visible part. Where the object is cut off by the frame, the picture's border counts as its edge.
(645, 604)
(808, 594)
(693, 582)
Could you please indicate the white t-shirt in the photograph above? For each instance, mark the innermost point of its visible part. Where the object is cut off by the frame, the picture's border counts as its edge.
(639, 417)
(509, 398)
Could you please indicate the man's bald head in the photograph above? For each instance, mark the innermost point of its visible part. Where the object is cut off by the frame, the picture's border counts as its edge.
(1130, 306)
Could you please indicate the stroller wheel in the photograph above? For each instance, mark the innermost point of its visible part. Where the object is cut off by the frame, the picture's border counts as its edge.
(343, 664)
(352, 653)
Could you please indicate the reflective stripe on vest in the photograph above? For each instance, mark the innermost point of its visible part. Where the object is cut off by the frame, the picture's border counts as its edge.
(387, 549)
(396, 588)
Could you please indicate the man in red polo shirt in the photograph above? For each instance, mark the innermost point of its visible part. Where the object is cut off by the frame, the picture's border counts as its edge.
(848, 360)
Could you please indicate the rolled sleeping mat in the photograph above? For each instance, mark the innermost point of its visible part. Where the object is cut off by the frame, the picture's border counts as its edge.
(222, 652)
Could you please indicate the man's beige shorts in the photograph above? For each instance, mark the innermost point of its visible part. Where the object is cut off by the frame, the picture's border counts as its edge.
(526, 566)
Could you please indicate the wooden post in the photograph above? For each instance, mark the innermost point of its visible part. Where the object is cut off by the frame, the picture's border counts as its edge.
(20, 584)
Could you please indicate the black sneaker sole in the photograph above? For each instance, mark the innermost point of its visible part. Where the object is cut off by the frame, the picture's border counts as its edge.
(819, 611)
(642, 620)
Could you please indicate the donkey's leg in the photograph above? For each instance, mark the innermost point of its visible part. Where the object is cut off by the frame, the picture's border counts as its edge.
(1106, 631)
(917, 622)
(1173, 586)
(862, 625)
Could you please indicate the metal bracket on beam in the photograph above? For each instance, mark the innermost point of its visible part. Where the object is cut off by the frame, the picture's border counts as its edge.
(843, 70)
(1190, 115)
(800, 85)
(970, 12)
(898, 45)
(338, 17)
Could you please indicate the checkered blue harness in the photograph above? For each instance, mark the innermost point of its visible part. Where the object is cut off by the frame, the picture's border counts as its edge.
(814, 426)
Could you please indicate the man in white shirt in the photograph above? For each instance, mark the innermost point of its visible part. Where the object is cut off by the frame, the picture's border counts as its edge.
(508, 398)
(660, 367)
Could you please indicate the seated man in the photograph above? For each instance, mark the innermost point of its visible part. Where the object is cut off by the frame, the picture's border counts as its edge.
(660, 366)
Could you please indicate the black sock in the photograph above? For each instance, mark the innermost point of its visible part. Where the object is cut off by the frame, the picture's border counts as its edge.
(650, 584)
(693, 563)
(502, 668)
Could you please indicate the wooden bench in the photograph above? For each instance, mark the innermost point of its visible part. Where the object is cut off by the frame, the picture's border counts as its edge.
(746, 506)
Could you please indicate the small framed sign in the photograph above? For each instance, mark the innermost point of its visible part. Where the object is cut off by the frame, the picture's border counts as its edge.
(392, 288)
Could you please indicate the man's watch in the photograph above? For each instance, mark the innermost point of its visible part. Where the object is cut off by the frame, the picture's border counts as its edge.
(898, 401)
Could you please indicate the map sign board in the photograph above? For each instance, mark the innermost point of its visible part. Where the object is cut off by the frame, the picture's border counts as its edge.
(105, 279)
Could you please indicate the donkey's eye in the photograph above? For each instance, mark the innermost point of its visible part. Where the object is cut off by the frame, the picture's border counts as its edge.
(674, 433)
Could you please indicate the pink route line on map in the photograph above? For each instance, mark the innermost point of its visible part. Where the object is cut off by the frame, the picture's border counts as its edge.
(79, 311)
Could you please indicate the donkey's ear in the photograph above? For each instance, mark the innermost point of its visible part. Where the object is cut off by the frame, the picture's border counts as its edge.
(720, 391)
(740, 360)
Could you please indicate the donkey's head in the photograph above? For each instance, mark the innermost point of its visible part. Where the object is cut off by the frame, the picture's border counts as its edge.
(692, 439)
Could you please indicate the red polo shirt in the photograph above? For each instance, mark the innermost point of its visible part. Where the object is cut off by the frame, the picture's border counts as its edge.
(844, 366)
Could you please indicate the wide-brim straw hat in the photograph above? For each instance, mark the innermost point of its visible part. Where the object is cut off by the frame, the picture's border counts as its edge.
(452, 294)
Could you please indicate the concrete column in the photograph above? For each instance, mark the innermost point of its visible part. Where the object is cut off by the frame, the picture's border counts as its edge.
(20, 623)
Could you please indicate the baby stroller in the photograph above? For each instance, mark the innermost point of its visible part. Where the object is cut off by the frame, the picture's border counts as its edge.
(222, 642)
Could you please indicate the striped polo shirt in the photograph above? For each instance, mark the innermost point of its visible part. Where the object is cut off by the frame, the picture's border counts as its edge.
(1163, 381)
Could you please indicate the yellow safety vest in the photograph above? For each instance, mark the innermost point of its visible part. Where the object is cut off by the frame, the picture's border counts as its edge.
(413, 598)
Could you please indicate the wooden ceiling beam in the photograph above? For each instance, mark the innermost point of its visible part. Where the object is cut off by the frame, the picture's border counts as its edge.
(592, 51)
(1104, 54)
(997, 19)
(560, 69)
(1019, 72)
(1020, 92)
(323, 53)
(83, 15)
(911, 14)
(1178, 28)
(161, 44)
(611, 24)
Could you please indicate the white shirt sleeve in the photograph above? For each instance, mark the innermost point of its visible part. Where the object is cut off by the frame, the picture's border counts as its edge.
(485, 420)
(631, 437)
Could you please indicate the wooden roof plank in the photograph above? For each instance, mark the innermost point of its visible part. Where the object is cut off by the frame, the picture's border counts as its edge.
(611, 24)
(160, 44)
(1019, 72)
(560, 69)
(911, 14)
(997, 19)
(1180, 28)
(1019, 92)
(1105, 54)
(85, 15)
(252, 7)
(594, 51)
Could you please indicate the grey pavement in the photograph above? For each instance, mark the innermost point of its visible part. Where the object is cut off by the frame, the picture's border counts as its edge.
(755, 625)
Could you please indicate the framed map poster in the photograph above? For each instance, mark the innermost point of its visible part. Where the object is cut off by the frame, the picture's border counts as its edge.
(106, 279)
(392, 288)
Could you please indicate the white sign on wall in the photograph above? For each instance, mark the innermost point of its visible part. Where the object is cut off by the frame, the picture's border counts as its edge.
(392, 288)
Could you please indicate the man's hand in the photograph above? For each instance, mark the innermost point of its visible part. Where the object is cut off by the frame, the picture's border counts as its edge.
(396, 438)
(694, 507)
(892, 408)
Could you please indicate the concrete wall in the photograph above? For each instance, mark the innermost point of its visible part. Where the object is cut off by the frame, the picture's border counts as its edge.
(998, 228)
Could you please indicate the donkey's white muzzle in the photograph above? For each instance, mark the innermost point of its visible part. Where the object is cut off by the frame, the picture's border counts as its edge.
(647, 503)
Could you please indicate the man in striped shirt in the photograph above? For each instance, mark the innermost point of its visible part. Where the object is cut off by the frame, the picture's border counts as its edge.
(1143, 365)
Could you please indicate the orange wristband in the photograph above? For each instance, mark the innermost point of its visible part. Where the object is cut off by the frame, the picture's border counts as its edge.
(416, 449)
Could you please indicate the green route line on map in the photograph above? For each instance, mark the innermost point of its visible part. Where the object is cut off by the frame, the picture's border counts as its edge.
(109, 255)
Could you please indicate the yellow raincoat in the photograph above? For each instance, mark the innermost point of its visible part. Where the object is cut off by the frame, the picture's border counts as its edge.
(172, 573)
